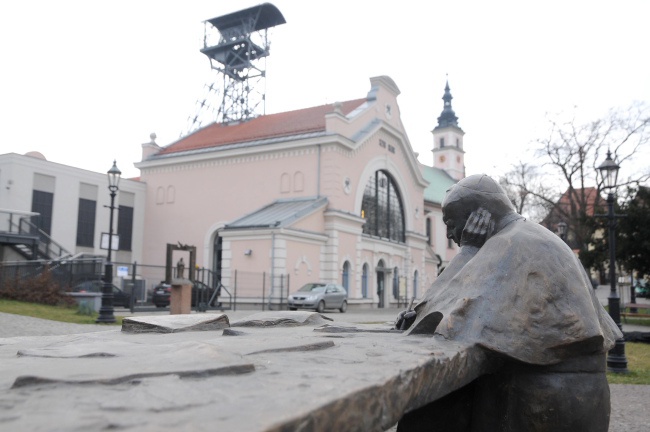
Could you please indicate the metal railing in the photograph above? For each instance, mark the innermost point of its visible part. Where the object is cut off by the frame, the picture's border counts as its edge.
(66, 273)
(245, 290)
(260, 290)
(22, 223)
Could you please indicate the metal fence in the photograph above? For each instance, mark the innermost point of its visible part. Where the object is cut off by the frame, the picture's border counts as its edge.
(66, 273)
(253, 290)
(244, 290)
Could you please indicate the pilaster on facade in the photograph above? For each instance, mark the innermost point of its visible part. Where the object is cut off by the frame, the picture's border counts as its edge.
(329, 257)
(226, 265)
(278, 256)
(358, 271)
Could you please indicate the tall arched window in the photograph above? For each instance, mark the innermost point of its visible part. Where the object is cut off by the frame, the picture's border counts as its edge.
(382, 208)
(396, 283)
(415, 284)
(345, 277)
(364, 281)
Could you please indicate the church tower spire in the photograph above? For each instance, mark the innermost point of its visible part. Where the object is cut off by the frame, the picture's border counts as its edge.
(448, 116)
(448, 153)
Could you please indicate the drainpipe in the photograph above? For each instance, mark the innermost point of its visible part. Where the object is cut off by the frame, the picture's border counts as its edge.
(272, 269)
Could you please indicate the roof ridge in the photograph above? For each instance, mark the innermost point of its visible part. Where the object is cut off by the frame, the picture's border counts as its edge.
(283, 124)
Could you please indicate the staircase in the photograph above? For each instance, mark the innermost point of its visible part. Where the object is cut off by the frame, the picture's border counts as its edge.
(23, 236)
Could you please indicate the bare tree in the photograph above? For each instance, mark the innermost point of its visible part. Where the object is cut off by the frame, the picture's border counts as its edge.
(524, 185)
(569, 190)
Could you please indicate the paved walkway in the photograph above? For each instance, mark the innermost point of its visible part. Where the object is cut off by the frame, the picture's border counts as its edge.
(629, 402)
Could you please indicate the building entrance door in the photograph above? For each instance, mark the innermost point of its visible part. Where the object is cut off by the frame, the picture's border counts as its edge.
(217, 254)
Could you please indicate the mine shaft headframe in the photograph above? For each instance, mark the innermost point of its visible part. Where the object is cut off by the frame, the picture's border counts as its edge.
(243, 40)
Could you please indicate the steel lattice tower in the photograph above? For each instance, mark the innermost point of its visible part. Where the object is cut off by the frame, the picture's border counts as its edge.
(237, 92)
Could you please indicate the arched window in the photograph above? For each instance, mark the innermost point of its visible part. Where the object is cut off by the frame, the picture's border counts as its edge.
(298, 181)
(285, 183)
(364, 281)
(415, 284)
(382, 208)
(345, 277)
(428, 226)
(396, 283)
(160, 195)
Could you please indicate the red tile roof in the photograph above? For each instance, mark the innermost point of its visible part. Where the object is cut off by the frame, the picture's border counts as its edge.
(592, 199)
(563, 206)
(284, 124)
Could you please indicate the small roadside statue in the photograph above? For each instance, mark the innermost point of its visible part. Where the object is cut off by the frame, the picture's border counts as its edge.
(180, 268)
(516, 290)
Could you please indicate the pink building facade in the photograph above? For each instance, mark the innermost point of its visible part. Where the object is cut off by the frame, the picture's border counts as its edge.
(332, 194)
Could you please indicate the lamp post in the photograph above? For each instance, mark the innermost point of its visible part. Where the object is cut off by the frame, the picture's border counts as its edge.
(616, 360)
(106, 311)
(562, 229)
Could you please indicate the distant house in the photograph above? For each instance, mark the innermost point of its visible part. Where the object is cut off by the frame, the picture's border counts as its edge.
(332, 193)
(573, 205)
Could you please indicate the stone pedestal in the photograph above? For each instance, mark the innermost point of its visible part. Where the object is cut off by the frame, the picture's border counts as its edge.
(298, 371)
(180, 301)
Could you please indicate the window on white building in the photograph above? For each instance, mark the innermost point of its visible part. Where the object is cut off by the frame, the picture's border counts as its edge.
(86, 222)
(42, 203)
(125, 227)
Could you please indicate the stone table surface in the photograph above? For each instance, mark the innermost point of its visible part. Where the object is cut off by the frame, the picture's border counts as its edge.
(273, 371)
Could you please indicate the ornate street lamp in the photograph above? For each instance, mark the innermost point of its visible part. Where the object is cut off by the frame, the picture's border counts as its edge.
(106, 310)
(562, 229)
(616, 360)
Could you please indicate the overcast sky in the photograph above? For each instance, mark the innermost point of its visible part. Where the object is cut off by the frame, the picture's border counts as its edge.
(86, 82)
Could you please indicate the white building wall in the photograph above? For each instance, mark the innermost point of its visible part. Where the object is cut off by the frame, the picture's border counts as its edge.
(20, 174)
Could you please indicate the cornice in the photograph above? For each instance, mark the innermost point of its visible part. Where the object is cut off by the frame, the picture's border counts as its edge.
(268, 233)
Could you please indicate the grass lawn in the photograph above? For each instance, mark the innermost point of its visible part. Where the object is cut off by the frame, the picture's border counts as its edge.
(638, 363)
(54, 313)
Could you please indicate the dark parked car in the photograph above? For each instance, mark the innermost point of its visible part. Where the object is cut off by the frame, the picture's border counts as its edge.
(201, 292)
(161, 294)
(319, 296)
(120, 298)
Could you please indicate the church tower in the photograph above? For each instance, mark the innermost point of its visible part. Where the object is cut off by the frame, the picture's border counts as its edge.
(448, 153)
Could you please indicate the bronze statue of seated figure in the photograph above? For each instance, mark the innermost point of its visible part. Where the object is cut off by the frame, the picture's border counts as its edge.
(518, 291)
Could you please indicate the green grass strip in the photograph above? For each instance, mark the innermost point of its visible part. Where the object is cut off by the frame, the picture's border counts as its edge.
(638, 364)
(53, 313)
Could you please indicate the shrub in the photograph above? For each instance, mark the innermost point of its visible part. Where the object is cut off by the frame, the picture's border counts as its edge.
(40, 289)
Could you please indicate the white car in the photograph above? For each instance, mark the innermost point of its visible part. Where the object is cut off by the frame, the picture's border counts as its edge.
(319, 296)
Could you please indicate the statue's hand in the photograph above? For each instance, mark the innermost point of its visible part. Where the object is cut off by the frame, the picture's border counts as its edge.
(479, 228)
(405, 319)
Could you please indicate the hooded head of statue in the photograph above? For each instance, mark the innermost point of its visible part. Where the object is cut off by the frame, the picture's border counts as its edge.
(470, 194)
